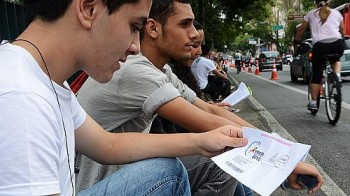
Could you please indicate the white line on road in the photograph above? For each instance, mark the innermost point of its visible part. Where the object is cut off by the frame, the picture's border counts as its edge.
(329, 187)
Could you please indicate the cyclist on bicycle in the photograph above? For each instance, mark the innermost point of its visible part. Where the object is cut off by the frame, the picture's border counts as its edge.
(326, 27)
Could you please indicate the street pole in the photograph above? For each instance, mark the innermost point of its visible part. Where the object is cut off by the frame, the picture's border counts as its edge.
(258, 46)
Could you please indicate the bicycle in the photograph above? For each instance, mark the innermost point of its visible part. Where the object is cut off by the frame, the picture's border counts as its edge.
(330, 91)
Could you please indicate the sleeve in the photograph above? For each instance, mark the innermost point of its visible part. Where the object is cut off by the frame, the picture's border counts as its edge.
(341, 18)
(147, 87)
(79, 114)
(186, 93)
(307, 16)
(209, 65)
(30, 145)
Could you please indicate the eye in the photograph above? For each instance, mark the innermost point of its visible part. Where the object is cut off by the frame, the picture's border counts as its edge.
(185, 23)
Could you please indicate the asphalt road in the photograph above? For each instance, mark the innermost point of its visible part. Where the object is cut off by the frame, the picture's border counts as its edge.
(285, 102)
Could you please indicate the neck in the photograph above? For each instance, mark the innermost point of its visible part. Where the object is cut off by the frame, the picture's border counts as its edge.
(46, 47)
(153, 54)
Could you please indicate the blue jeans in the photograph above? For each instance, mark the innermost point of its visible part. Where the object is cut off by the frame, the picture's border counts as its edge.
(158, 176)
(242, 190)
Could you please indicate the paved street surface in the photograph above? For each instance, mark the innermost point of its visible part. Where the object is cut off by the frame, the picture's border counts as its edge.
(280, 106)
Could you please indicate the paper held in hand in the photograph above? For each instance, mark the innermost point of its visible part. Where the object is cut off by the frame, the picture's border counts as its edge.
(265, 162)
(238, 95)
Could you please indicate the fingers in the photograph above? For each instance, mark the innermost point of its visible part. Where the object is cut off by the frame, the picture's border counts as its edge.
(232, 131)
(306, 169)
(318, 185)
(222, 104)
(239, 142)
(235, 136)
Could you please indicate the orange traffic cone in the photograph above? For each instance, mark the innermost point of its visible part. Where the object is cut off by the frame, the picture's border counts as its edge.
(243, 67)
(257, 70)
(250, 68)
(274, 75)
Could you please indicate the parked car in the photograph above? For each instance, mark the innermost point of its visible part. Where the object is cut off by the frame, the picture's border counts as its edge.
(301, 67)
(248, 59)
(268, 58)
(345, 63)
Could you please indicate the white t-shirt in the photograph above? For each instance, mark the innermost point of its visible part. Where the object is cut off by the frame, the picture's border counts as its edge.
(327, 31)
(201, 67)
(238, 56)
(33, 144)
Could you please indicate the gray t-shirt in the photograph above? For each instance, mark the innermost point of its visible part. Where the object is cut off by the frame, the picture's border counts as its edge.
(127, 104)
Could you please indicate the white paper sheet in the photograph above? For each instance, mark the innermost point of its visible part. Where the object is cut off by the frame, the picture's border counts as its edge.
(238, 95)
(265, 162)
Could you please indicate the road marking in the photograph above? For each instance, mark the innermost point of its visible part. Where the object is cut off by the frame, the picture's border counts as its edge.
(329, 187)
(343, 104)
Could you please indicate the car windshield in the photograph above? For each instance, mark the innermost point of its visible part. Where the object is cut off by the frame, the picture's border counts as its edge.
(271, 54)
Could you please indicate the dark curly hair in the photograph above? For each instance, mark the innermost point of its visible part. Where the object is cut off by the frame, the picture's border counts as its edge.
(185, 75)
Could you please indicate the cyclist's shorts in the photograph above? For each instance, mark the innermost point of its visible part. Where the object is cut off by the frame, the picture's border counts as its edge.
(319, 50)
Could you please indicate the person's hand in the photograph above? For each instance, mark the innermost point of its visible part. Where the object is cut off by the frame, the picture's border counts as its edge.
(305, 169)
(226, 106)
(221, 139)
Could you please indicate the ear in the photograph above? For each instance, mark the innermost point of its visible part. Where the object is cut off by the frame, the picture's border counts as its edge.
(86, 11)
(152, 28)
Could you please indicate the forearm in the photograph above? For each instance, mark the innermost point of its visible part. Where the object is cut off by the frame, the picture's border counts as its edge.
(219, 74)
(229, 116)
(300, 30)
(130, 147)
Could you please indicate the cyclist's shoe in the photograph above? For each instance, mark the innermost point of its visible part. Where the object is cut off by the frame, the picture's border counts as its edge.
(312, 106)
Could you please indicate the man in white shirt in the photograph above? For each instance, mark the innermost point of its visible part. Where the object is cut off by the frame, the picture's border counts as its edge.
(211, 81)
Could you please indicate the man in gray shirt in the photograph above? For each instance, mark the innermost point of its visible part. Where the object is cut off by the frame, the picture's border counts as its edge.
(145, 86)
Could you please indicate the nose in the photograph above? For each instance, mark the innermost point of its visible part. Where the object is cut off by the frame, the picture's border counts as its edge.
(199, 50)
(193, 33)
(135, 45)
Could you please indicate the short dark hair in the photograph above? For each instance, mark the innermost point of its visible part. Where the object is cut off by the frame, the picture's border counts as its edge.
(51, 10)
(161, 10)
(205, 50)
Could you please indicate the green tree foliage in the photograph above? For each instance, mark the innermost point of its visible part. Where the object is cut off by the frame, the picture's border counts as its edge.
(226, 20)
(230, 23)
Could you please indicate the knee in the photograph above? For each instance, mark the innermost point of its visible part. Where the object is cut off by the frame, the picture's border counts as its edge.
(172, 166)
(173, 175)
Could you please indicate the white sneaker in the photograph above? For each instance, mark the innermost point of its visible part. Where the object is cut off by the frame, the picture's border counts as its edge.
(312, 106)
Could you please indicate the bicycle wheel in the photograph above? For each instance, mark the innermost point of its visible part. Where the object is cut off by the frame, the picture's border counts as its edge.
(333, 98)
(313, 112)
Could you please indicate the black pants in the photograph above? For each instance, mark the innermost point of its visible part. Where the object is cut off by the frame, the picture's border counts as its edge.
(217, 86)
(319, 50)
(238, 65)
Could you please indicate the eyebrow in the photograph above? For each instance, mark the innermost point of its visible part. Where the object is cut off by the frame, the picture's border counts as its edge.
(186, 20)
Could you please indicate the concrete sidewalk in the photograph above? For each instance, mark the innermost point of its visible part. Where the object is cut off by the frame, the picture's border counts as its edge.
(253, 112)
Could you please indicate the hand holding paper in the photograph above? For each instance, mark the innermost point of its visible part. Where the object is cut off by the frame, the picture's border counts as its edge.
(265, 162)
